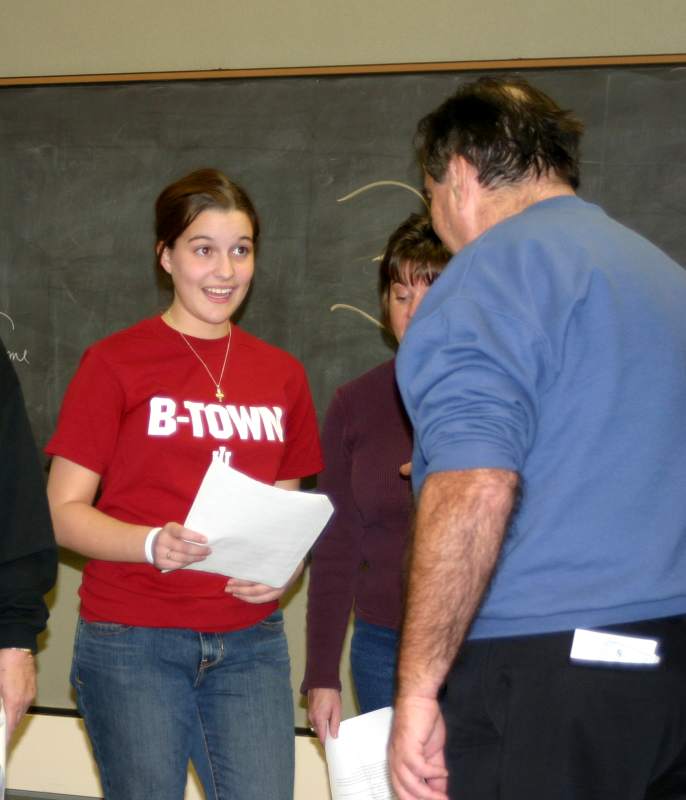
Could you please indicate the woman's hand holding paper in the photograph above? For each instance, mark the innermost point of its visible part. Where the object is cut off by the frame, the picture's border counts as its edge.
(324, 711)
(175, 547)
(252, 592)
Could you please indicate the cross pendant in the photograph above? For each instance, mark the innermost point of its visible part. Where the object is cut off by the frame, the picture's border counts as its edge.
(219, 394)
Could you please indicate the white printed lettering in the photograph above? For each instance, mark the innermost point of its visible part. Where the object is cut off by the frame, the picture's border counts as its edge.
(161, 421)
(271, 419)
(218, 421)
(222, 454)
(196, 410)
(246, 419)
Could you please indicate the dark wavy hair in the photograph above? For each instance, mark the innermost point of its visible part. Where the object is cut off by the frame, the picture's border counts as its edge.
(508, 130)
(413, 253)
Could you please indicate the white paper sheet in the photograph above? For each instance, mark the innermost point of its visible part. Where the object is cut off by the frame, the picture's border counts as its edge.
(357, 759)
(611, 648)
(257, 532)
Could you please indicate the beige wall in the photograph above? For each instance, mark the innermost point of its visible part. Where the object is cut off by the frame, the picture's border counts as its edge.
(57, 37)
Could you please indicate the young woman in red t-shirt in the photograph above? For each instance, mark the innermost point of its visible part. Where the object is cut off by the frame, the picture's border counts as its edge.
(172, 664)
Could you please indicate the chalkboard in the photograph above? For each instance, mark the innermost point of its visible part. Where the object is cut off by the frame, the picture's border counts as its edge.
(81, 165)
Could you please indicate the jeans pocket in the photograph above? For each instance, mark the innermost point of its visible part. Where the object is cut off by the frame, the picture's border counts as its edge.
(105, 628)
(274, 622)
(104, 647)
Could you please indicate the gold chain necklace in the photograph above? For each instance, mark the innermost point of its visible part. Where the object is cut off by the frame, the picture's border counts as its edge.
(218, 394)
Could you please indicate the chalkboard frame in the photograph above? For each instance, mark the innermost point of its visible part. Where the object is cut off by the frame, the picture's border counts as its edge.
(665, 59)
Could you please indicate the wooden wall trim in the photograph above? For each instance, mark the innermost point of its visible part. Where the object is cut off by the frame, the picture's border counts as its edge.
(359, 69)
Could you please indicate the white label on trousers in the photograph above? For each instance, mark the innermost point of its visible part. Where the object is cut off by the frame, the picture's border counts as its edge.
(613, 649)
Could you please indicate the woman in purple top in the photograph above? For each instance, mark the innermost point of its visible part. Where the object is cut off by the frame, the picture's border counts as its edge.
(358, 561)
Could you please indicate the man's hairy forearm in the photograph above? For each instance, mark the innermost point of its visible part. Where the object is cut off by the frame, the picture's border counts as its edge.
(461, 521)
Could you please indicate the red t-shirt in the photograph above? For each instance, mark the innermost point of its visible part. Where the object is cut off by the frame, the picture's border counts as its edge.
(141, 412)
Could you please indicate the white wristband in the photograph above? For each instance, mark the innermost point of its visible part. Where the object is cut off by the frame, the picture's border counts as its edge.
(149, 542)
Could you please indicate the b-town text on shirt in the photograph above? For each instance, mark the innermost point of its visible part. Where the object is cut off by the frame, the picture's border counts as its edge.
(218, 421)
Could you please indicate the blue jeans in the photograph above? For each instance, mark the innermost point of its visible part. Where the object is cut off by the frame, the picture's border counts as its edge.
(373, 655)
(153, 698)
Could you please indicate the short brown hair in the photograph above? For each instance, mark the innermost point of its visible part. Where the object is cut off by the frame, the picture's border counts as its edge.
(414, 253)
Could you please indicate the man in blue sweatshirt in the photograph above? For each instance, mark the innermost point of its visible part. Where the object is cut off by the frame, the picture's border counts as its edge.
(543, 652)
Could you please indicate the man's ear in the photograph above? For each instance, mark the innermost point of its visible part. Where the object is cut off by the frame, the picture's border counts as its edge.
(454, 170)
(463, 178)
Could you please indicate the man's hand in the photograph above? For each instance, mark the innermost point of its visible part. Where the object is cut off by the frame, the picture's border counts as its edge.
(415, 750)
(461, 521)
(324, 711)
(17, 684)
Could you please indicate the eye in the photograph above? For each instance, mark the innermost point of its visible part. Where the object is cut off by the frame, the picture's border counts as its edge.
(400, 293)
(203, 250)
(241, 250)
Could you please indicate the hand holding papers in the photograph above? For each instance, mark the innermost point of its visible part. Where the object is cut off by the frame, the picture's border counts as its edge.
(257, 532)
(357, 759)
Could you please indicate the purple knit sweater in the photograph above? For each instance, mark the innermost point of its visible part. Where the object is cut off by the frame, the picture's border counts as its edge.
(358, 560)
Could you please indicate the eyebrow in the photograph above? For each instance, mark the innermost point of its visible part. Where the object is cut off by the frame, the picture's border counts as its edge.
(211, 238)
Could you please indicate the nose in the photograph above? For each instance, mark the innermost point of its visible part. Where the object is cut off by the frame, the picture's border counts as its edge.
(225, 268)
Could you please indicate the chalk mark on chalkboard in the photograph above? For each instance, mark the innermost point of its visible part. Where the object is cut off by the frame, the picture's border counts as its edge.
(359, 311)
(349, 196)
(7, 317)
(15, 355)
(375, 184)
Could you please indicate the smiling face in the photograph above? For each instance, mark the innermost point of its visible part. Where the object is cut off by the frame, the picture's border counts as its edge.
(211, 266)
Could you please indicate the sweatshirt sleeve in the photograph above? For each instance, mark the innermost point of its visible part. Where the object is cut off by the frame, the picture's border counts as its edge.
(336, 557)
(23, 612)
(28, 554)
(471, 378)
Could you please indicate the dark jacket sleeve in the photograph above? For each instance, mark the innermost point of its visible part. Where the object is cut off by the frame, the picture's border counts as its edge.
(28, 554)
(335, 559)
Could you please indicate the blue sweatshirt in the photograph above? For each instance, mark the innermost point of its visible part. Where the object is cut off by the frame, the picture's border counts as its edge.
(554, 345)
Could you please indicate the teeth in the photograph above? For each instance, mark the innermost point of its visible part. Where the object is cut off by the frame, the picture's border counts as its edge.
(218, 292)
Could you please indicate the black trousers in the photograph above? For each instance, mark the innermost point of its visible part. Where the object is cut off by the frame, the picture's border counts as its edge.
(526, 723)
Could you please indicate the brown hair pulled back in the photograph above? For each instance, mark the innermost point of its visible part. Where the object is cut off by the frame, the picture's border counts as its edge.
(182, 201)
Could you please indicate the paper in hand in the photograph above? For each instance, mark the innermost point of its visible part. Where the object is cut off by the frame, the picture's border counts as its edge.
(257, 532)
(357, 758)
